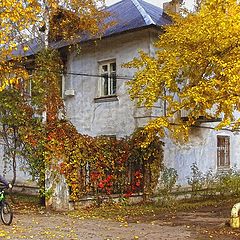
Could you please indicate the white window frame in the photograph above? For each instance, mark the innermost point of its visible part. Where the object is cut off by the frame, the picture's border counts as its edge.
(110, 77)
(62, 85)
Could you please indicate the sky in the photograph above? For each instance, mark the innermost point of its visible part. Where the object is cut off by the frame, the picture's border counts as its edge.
(188, 3)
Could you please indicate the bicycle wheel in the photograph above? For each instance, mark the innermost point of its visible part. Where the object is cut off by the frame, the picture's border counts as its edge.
(6, 213)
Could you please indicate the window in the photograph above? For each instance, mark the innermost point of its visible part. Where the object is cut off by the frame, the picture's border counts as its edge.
(61, 84)
(108, 81)
(24, 86)
(223, 151)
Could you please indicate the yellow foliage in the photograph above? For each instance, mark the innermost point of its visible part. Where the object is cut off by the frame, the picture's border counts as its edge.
(22, 20)
(196, 69)
(44, 21)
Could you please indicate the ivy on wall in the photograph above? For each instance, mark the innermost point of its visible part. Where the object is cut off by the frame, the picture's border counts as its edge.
(91, 165)
(102, 165)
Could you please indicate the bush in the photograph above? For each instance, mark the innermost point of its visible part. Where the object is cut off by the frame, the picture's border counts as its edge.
(228, 183)
(196, 181)
(225, 183)
(168, 181)
(104, 165)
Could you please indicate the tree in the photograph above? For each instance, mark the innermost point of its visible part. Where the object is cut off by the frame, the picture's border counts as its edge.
(24, 133)
(195, 69)
(24, 20)
(15, 112)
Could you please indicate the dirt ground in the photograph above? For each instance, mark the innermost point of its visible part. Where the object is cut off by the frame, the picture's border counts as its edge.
(201, 224)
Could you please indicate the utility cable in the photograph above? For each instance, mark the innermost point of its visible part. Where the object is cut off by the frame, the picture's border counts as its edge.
(97, 75)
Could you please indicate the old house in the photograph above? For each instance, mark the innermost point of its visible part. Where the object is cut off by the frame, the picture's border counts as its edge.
(98, 103)
(96, 94)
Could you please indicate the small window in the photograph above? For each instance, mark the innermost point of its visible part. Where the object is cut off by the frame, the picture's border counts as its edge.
(61, 85)
(108, 80)
(24, 86)
(223, 151)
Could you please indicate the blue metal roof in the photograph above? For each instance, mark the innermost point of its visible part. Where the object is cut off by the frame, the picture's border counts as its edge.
(34, 46)
(133, 14)
(159, 17)
(127, 14)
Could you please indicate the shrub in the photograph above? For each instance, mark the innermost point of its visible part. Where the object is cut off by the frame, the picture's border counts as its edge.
(196, 181)
(225, 183)
(168, 181)
(104, 165)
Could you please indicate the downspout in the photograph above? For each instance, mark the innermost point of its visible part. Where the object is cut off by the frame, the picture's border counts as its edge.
(234, 221)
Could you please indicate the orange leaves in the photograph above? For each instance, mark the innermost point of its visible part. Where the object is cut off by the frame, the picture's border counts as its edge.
(101, 165)
(31, 140)
(50, 140)
(82, 20)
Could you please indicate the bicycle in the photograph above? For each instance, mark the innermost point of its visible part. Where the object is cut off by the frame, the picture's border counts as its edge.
(5, 209)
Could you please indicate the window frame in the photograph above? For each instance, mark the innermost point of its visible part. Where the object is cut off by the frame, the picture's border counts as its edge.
(110, 75)
(24, 86)
(223, 152)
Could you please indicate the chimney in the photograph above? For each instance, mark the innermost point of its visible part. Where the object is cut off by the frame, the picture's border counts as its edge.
(172, 6)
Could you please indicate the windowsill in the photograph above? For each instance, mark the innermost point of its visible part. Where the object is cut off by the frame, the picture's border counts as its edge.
(223, 168)
(110, 98)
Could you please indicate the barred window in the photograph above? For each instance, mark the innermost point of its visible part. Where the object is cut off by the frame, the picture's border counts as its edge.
(223, 151)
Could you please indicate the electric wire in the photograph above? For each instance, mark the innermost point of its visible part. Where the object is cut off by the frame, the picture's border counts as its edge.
(97, 75)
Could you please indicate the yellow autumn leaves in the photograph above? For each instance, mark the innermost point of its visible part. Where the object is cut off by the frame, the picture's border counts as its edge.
(22, 20)
(196, 69)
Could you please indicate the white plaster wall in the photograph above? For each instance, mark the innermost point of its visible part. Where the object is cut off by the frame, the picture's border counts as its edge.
(202, 149)
(5, 169)
(103, 118)
(118, 117)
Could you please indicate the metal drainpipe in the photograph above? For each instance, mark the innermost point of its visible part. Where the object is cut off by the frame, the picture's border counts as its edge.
(234, 221)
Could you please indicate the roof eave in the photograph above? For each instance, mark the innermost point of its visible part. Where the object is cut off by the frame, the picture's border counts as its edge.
(151, 26)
